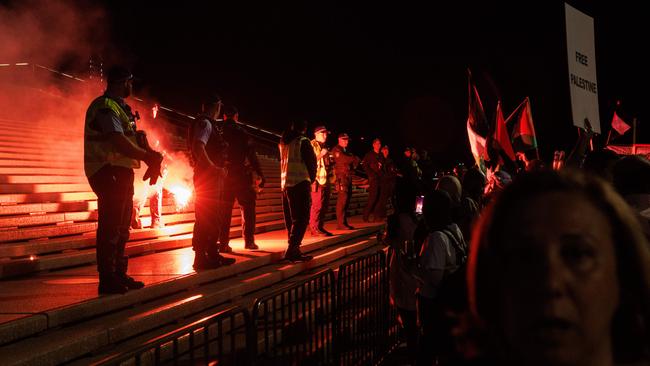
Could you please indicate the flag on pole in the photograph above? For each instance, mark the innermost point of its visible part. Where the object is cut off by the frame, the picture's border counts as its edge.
(477, 123)
(523, 130)
(500, 137)
(619, 125)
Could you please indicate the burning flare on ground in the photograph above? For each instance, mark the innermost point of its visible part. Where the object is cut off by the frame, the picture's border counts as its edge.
(181, 194)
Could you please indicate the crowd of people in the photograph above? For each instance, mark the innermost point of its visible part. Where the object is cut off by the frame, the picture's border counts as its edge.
(532, 265)
(525, 263)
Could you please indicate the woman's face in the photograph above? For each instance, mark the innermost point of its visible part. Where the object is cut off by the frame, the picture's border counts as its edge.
(558, 281)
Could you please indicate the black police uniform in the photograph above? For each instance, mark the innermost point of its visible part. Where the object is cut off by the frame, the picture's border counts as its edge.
(241, 161)
(208, 188)
(373, 164)
(344, 163)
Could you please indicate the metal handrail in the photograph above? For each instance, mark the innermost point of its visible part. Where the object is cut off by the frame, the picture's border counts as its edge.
(194, 342)
(185, 118)
(363, 310)
(298, 322)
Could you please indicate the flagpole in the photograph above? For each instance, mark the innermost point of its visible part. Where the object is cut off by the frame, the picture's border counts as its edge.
(609, 135)
(633, 132)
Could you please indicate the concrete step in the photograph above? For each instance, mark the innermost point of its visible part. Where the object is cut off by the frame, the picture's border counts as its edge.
(31, 249)
(14, 198)
(13, 135)
(12, 127)
(45, 188)
(40, 156)
(63, 154)
(48, 145)
(65, 228)
(45, 163)
(42, 179)
(130, 323)
(76, 252)
(42, 193)
(20, 215)
(39, 208)
(246, 301)
(64, 343)
(26, 266)
(42, 171)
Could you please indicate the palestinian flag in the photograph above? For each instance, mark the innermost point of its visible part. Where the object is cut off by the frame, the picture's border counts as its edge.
(501, 138)
(523, 130)
(619, 125)
(477, 123)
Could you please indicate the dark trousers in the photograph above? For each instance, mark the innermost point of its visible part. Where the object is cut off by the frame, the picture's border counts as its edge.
(320, 198)
(208, 191)
(409, 322)
(296, 202)
(242, 189)
(386, 190)
(430, 321)
(114, 189)
(344, 189)
(373, 199)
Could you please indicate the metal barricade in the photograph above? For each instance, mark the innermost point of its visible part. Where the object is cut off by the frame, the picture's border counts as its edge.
(296, 325)
(321, 320)
(363, 310)
(223, 338)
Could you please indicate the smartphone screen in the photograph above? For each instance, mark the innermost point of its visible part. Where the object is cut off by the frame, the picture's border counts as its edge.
(419, 201)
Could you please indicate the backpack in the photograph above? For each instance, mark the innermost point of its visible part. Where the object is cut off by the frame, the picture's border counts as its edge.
(453, 289)
(459, 249)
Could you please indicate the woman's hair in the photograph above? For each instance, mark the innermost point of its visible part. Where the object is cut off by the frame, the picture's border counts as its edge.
(436, 210)
(630, 328)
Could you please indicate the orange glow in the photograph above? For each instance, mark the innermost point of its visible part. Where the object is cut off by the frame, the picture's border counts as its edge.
(155, 110)
(32, 257)
(181, 194)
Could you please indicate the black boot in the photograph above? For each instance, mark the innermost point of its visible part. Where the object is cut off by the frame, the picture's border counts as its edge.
(294, 254)
(225, 248)
(327, 233)
(128, 281)
(110, 283)
(250, 245)
(316, 232)
(204, 261)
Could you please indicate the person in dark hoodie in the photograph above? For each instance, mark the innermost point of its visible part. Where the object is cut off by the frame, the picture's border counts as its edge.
(297, 172)
(442, 253)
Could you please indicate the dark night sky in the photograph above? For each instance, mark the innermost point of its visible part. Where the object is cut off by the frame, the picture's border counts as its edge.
(396, 71)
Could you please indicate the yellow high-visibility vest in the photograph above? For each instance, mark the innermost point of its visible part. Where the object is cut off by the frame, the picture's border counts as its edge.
(321, 169)
(98, 151)
(292, 167)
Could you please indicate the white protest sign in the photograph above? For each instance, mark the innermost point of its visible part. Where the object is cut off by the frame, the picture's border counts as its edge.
(581, 53)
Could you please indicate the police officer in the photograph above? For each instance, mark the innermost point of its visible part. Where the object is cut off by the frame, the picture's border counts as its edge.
(320, 188)
(111, 152)
(344, 165)
(241, 162)
(207, 148)
(373, 164)
(297, 172)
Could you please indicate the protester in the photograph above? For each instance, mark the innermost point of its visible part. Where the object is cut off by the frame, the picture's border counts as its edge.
(559, 274)
(442, 253)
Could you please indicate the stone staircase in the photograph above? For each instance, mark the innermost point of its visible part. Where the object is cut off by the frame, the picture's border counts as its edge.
(49, 309)
(48, 211)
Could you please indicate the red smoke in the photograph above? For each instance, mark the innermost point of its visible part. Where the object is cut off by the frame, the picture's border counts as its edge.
(63, 35)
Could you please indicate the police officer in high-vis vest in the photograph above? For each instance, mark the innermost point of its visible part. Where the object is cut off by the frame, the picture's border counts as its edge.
(297, 172)
(111, 152)
(320, 188)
